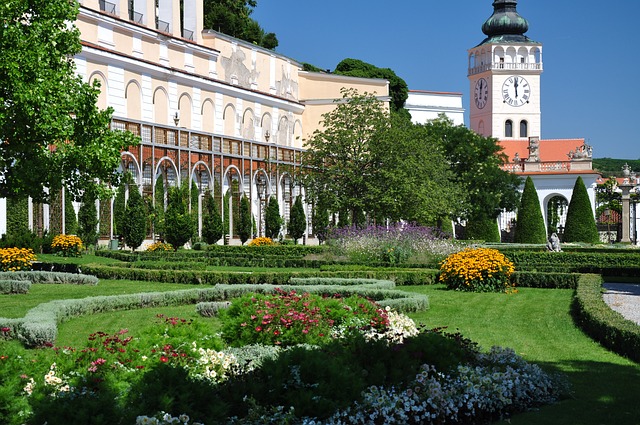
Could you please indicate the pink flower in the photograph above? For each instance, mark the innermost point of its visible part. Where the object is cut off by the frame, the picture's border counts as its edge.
(258, 328)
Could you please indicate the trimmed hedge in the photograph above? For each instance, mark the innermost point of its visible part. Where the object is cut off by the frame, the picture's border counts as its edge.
(603, 324)
(14, 286)
(545, 280)
(196, 277)
(581, 262)
(50, 277)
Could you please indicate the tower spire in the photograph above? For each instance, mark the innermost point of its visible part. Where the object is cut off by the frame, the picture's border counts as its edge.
(505, 25)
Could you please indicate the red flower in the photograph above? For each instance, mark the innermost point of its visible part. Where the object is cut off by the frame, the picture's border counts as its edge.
(258, 328)
(164, 359)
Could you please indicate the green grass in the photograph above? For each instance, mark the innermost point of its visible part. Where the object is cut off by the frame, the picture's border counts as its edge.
(537, 324)
(17, 305)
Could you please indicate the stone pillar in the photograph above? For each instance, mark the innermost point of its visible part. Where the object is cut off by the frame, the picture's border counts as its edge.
(626, 216)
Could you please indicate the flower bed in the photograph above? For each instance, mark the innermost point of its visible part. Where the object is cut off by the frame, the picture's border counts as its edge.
(478, 270)
(16, 259)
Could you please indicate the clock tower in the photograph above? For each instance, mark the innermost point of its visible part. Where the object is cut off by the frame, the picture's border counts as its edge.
(504, 76)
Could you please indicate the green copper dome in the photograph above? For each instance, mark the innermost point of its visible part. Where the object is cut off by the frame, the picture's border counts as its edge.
(505, 25)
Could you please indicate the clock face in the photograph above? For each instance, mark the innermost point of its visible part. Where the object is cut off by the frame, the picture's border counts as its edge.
(516, 91)
(481, 93)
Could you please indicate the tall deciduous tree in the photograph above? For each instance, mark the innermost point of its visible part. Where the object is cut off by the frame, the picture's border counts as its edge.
(179, 224)
(232, 17)
(476, 163)
(529, 223)
(48, 116)
(134, 228)
(272, 219)
(244, 223)
(581, 224)
(297, 220)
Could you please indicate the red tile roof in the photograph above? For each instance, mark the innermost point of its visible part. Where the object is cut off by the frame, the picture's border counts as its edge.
(551, 150)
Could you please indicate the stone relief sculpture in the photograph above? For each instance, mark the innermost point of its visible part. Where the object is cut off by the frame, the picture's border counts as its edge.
(287, 87)
(235, 69)
(582, 152)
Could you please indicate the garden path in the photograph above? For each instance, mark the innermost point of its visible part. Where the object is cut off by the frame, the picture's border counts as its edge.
(624, 298)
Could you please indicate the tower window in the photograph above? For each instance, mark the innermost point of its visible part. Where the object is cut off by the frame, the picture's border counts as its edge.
(508, 128)
(524, 129)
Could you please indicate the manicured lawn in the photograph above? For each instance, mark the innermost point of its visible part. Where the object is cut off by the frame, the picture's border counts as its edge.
(537, 324)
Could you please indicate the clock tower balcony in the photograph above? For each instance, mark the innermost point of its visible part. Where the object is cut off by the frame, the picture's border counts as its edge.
(496, 66)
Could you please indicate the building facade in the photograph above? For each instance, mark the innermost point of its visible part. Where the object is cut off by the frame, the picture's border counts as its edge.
(211, 110)
(426, 105)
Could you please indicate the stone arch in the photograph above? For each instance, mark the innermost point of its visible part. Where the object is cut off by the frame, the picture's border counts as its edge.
(523, 55)
(510, 55)
(168, 170)
(133, 96)
(129, 163)
(260, 193)
(185, 110)
(161, 105)
(266, 123)
(103, 98)
(556, 207)
(283, 132)
(208, 113)
(202, 175)
(297, 133)
(229, 118)
(232, 188)
(248, 124)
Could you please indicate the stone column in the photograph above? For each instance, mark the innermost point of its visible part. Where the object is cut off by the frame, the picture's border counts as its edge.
(626, 216)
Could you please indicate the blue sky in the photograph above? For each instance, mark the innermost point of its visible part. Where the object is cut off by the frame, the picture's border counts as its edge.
(591, 78)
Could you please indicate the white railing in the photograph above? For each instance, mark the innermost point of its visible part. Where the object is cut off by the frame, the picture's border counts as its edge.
(506, 65)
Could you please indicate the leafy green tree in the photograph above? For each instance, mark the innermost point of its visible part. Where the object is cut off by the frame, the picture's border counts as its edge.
(244, 220)
(212, 230)
(232, 17)
(88, 219)
(49, 121)
(17, 216)
(607, 197)
(476, 163)
(134, 227)
(581, 224)
(398, 89)
(272, 219)
(70, 218)
(530, 223)
(297, 220)
(179, 224)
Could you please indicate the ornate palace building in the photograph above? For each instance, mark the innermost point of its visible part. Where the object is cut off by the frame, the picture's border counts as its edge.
(210, 109)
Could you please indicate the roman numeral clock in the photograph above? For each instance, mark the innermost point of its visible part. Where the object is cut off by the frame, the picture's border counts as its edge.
(504, 76)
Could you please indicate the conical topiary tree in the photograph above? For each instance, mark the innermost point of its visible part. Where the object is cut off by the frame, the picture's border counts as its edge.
(530, 224)
(212, 230)
(179, 224)
(244, 223)
(297, 220)
(70, 219)
(272, 219)
(134, 227)
(581, 224)
(88, 219)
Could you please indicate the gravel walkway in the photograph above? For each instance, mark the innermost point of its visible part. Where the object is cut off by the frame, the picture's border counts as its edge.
(624, 298)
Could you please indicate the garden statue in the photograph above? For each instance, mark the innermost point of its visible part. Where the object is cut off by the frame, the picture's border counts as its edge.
(553, 244)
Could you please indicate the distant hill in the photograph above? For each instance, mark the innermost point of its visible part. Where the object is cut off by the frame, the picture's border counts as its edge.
(613, 167)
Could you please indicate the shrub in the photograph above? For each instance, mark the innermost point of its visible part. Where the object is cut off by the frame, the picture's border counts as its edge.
(477, 270)
(482, 229)
(212, 230)
(261, 241)
(159, 247)
(530, 224)
(15, 259)
(88, 220)
(580, 224)
(67, 245)
(14, 287)
(288, 318)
